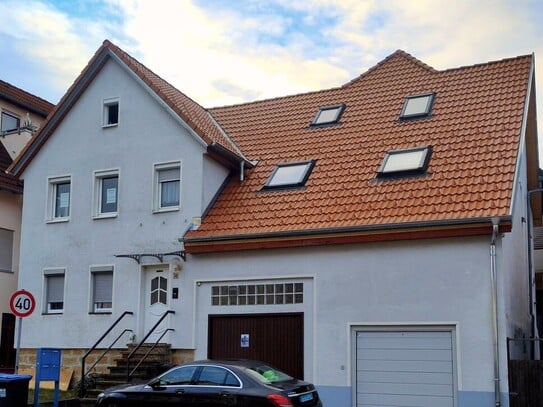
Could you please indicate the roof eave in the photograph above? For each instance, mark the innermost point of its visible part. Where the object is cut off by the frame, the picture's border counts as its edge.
(344, 235)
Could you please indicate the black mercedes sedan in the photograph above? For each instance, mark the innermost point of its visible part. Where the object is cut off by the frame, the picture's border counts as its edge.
(214, 383)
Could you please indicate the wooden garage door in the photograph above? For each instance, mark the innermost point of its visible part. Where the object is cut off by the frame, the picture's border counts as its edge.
(404, 368)
(276, 339)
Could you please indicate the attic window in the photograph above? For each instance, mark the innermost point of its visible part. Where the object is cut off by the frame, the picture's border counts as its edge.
(405, 162)
(328, 115)
(417, 106)
(110, 112)
(290, 175)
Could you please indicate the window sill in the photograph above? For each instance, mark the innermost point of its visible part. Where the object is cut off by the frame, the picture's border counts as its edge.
(100, 313)
(109, 126)
(53, 313)
(167, 209)
(57, 220)
(105, 215)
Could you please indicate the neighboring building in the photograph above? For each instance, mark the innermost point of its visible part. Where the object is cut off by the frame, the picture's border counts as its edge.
(21, 115)
(356, 236)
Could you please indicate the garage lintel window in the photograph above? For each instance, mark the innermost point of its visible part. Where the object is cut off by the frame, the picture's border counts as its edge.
(258, 294)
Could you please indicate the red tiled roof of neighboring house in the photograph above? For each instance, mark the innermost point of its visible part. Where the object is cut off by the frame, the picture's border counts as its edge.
(25, 99)
(474, 129)
(7, 181)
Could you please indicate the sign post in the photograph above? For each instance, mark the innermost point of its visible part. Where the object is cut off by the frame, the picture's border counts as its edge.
(22, 304)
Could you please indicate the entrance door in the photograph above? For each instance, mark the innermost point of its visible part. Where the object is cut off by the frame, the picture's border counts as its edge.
(276, 339)
(157, 290)
(7, 352)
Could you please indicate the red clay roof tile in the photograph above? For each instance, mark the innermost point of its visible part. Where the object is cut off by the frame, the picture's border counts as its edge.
(474, 129)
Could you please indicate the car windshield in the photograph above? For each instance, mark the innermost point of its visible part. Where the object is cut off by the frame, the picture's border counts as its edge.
(268, 374)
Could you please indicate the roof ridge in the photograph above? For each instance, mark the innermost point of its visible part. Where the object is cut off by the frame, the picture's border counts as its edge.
(491, 62)
(397, 53)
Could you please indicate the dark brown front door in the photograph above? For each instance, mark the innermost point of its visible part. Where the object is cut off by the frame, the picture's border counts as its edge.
(7, 352)
(277, 339)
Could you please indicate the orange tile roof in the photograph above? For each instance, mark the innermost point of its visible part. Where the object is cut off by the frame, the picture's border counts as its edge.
(474, 129)
(25, 99)
(8, 182)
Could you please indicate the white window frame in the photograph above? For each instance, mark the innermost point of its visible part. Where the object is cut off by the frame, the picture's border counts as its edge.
(7, 250)
(106, 104)
(52, 184)
(98, 177)
(94, 271)
(157, 186)
(49, 273)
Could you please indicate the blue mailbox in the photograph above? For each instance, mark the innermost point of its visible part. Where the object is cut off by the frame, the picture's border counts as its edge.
(48, 363)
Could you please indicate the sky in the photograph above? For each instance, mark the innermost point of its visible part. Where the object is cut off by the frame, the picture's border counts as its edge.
(222, 52)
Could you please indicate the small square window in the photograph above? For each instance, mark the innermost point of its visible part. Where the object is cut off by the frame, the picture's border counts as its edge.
(167, 186)
(54, 291)
(102, 288)
(59, 198)
(328, 115)
(9, 122)
(106, 193)
(409, 161)
(417, 106)
(290, 175)
(110, 113)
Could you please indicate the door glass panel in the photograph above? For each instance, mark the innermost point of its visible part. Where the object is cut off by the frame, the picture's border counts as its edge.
(159, 290)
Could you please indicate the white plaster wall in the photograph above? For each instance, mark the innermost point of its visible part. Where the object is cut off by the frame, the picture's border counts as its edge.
(146, 134)
(213, 177)
(445, 281)
(10, 218)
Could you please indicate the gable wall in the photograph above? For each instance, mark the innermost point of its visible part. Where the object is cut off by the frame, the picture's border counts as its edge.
(146, 135)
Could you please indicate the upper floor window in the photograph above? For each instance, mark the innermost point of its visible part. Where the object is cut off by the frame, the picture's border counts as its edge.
(328, 115)
(110, 113)
(9, 122)
(167, 186)
(405, 162)
(102, 288)
(417, 106)
(106, 193)
(59, 192)
(6, 250)
(54, 290)
(290, 175)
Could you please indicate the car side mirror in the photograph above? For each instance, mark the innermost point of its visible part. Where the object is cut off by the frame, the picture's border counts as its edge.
(156, 384)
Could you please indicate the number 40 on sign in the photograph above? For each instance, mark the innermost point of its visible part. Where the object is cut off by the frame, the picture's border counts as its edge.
(22, 303)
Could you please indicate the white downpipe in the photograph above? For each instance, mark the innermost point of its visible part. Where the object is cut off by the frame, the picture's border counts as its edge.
(493, 276)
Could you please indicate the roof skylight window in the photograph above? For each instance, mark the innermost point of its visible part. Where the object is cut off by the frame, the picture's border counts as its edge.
(417, 106)
(406, 162)
(328, 115)
(290, 175)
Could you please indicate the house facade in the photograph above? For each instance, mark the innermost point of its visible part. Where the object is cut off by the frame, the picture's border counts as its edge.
(369, 238)
(21, 114)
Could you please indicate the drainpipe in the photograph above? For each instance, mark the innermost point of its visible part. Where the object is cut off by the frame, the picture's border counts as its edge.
(495, 223)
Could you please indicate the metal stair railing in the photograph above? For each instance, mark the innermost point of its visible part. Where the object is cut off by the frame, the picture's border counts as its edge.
(82, 388)
(130, 373)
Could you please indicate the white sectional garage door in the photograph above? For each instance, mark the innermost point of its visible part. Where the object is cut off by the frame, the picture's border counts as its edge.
(404, 368)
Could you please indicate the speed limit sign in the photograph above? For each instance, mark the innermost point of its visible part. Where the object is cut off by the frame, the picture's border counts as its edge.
(22, 303)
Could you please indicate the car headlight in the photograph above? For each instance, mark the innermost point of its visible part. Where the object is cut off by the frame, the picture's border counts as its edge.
(100, 396)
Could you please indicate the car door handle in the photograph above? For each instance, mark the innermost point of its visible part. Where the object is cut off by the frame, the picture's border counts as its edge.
(180, 391)
(225, 394)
